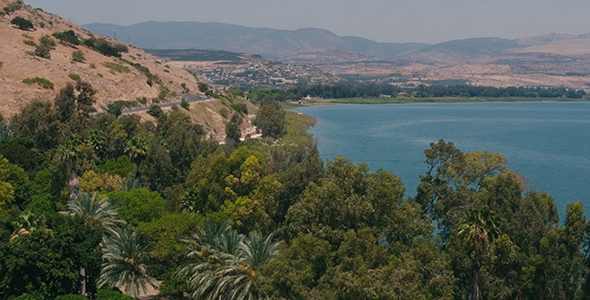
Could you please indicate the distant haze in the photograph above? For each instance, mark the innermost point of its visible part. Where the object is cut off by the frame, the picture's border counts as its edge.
(426, 21)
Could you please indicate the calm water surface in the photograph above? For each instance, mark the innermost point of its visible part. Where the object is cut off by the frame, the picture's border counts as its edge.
(547, 142)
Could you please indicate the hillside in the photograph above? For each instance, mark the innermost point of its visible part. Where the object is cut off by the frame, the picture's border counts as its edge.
(114, 78)
(267, 42)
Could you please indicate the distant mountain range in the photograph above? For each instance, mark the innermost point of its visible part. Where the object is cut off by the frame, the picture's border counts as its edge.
(267, 42)
(272, 43)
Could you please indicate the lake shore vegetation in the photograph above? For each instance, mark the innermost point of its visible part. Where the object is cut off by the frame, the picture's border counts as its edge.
(111, 206)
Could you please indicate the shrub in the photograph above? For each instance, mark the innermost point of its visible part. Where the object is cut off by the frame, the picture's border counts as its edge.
(116, 108)
(185, 90)
(40, 81)
(203, 87)
(30, 43)
(43, 51)
(47, 41)
(75, 77)
(123, 166)
(71, 297)
(78, 56)
(116, 67)
(122, 48)
(142, 100)
(184, 104)
(22, 23)
(243, 107)
(104, 47)
(14, 6)
(106, 294)
(164, 91)
(67, 37)
(223, 112)
(92, 66)
(26, 36)
(1, 64)
(155, 111)
(151, 78)
(34, 296)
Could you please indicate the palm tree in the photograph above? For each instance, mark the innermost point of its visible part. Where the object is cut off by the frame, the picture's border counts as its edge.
(225, 262)
(131, 183)
(68, 153)
(259, 249)
(137, 148)
(478, 228)
(125, 255)
(96, 212)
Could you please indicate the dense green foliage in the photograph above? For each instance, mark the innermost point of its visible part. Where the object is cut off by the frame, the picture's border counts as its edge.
(22, 23)
(271, 120)
(232, 130)
(104, 47)
(68, 37)
(373, 90)
(158, 205)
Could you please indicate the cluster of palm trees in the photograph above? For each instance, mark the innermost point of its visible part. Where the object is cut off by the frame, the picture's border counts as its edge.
(125, 253)
(221, 263)
(224, 262)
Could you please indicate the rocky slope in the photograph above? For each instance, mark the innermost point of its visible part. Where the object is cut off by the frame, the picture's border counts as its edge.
(114, 78)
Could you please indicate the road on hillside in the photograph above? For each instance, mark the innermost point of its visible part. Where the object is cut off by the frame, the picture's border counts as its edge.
(189, 98)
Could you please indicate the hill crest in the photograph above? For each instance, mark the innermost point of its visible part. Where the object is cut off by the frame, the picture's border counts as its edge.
(136, 74)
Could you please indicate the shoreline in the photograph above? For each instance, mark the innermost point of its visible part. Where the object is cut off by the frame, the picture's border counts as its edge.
(405, 100)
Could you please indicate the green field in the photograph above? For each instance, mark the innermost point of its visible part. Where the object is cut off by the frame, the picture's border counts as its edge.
(198, 55)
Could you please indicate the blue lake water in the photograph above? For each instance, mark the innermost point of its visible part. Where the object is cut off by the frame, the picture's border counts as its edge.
(546, 142)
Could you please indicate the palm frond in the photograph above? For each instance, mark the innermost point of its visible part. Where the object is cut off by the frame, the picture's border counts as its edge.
(125, 256)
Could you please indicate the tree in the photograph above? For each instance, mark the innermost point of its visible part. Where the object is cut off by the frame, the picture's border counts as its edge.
(6, 189)
(48, 259)
(477, 229)
(225, 262)
(43, 51)
(78, 56)
(97, 213)
(184, 104)
(68, 153)
(38, 122)
(65, 103)
(139, 205)
(22, 23)
(68, 37)
(47, 41)
(125, 257)
(155, 111)
(85, 99)
(232, 129)
(271, 120)
(349, 197)
(68, 103)
(137, 148)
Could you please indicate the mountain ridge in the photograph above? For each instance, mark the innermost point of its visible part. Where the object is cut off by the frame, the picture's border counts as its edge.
(271, 43)
(285, 44)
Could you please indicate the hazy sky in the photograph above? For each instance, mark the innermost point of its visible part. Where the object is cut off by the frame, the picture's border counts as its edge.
(429, 21)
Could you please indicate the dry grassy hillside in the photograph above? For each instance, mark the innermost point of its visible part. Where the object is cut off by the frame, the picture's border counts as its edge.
(19, 62)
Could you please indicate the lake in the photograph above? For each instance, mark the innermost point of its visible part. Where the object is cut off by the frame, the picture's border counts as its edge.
(546, 142)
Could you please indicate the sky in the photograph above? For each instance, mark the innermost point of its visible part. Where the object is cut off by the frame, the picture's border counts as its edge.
(425, 21)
